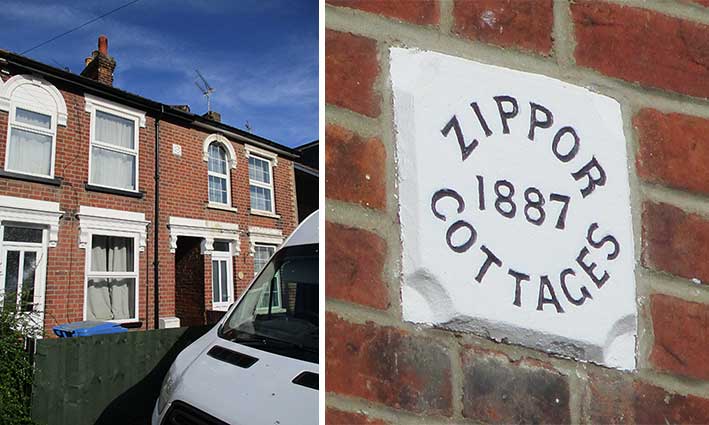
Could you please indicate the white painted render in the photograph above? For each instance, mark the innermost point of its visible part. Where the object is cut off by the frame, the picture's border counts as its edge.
(439, 285)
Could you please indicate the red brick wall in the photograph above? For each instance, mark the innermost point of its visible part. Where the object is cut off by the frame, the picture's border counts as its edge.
(650, 56)
(64, 300)
(183, 193)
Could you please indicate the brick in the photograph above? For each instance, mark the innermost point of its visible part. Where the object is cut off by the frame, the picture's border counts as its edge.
(421, 12)
(524, 24)
(672, 149)
(675, 241)
(642, 46)
(354, 168)
(498, 390)
(611, 397)
(351, 69)
(620, 400)
(681, 336)
(387, 365)
(339, 417)
(354, 263)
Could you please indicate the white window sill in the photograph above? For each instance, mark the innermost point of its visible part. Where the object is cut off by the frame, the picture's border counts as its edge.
(220, 207)
(220, 307)
(265, 213)
(123, 321)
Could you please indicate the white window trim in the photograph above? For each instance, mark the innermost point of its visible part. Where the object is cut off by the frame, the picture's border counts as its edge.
(108, 222)
(269, 156)
(262, 244)
(94, 104)
(135, 274)
(226, 176)
(8, 88)
(40, 270)
(208, 231)
(225, 142)
(224, 256)
(270, 186)
(264, 236)
(58, 116)
(32, 211)
(231, 160)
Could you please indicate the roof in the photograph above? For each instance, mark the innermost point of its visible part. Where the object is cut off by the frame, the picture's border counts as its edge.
(151, 107)
(307, 145)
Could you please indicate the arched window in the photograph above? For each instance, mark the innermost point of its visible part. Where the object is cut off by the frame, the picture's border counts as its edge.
(219, 184)
(35, 108)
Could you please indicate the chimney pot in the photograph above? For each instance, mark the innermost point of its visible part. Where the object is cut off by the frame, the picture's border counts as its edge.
(103, 45)
(100, 66)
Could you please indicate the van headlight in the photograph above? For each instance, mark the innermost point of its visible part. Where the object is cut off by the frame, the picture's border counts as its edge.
(168, 388)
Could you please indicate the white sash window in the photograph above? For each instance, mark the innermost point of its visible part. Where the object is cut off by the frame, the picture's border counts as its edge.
(114, 154)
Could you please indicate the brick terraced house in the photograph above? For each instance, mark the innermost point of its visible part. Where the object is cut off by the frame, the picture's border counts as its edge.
(104, 193)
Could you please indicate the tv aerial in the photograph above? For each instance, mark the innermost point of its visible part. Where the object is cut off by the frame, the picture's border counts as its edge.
(205, 88)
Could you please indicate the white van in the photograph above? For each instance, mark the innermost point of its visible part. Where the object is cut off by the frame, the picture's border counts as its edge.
(259, 364)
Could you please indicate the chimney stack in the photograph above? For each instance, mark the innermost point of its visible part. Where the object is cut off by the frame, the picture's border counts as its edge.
(100, 65)
(214, 116)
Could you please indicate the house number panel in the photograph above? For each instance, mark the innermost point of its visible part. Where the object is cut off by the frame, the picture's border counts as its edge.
(515, 207)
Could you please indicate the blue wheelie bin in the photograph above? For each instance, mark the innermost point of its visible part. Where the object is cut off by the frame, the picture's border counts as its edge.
(87, 328)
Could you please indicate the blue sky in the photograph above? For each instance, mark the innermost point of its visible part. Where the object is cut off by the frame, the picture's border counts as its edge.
(261, 56)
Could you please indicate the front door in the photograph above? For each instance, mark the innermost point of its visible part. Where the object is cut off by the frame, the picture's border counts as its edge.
(23, 271)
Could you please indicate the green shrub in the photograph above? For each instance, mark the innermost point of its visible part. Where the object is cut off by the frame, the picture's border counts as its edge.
(15, 365)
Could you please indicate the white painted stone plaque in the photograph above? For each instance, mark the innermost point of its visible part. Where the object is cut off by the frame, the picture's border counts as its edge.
(514, 207)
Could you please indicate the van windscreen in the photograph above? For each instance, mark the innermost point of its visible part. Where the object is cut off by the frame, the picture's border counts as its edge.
(279, 312)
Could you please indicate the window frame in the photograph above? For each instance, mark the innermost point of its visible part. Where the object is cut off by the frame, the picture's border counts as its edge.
(226, 176)
(278, 308)
(263, 244)
(227, 257)
(52, 131)
(263, 185)
(135, 274)
(107, 109)
(41, 248)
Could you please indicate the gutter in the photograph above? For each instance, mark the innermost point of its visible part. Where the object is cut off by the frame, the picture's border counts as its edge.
(156, 227)
(305, 169)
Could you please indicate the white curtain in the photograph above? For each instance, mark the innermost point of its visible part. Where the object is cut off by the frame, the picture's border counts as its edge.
(114, 130)
(33, 118)
(111, 298)
(30, 152)
(112, 169)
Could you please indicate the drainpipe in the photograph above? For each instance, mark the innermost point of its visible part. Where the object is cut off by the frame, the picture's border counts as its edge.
(156, 227)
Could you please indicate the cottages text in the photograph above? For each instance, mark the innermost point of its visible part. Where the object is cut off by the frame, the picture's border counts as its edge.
(537, 206)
